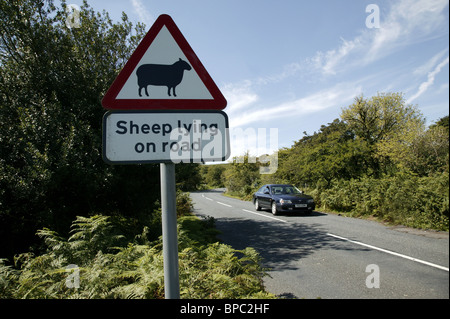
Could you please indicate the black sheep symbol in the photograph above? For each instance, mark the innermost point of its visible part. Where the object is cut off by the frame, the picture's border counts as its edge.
(161, 75)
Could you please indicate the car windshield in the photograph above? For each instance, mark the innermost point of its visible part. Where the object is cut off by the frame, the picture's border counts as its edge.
(285, 190)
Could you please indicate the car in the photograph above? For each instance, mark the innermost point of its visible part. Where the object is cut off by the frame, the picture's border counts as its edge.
(282, 198)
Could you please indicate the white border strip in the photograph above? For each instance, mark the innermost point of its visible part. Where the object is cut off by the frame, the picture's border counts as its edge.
(206, 197)
(223, 204)
(249, 211)
(391, 252)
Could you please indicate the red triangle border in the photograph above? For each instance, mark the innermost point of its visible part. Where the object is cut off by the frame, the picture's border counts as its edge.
(109, 101)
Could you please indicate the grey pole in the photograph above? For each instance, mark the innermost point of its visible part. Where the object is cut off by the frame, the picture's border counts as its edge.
(169, 231)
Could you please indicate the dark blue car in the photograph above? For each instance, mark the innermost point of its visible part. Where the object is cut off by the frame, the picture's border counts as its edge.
(282, 198)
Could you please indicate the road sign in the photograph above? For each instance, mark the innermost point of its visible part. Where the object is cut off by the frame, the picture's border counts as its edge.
(132, 137)
(163, 77)
(163, 73)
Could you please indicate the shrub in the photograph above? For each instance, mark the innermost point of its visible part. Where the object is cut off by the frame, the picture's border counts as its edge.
(421, 202)
(184, 204)
(111, 267)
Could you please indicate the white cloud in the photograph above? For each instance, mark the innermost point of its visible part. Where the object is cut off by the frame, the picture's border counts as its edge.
(254, 127)
(239, 96)
(328, 62)
(431, 76)
(288, 70)
(335, 96)
(328, 98)
(142, 12)
(427, 66)
(406, 22)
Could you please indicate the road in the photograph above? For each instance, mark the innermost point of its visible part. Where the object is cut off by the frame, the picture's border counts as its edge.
(330, 256)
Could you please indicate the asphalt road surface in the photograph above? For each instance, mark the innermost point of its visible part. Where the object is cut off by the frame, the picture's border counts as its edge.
(329, 256)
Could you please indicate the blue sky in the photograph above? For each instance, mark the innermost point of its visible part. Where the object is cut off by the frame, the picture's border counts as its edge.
(293, 65)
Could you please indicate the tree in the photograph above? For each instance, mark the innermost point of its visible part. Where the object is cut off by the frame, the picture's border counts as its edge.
(212, 175)
(241, 175)
(382, 115)
(442, 122)
(328, 154)
(52, 80)
(386, 124)
(425, 153)
(188, 176)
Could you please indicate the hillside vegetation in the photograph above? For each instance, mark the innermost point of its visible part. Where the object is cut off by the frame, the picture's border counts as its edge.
(97, 261)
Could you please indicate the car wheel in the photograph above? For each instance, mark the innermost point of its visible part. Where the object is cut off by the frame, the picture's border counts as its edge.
(257, 207)
(274, 208)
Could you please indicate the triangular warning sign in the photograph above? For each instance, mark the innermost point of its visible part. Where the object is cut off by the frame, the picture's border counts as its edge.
(164, 73)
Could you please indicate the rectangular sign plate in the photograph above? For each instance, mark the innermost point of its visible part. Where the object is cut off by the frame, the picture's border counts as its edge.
(134, 137)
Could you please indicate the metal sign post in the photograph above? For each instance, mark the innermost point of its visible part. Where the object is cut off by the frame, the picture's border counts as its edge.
(169, 231)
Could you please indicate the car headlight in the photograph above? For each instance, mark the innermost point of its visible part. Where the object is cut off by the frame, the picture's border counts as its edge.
(285, 201)
(310, 201)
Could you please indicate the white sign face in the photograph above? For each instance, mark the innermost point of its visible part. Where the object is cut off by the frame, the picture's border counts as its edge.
(163, 73)
(165, 136)
(164, 62)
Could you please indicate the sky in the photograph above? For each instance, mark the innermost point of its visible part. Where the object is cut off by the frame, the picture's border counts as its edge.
(292, 65)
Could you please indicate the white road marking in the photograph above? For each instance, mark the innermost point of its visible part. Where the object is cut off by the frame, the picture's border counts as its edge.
(206, 197)
(390, 252)
(249, 211)
(223, 204)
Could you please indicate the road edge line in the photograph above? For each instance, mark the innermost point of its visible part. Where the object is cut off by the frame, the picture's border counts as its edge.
(248, 211)
(390, 252)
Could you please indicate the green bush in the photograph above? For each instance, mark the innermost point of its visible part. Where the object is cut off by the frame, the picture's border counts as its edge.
(111, 267)
(421, 202)
(184, 204)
